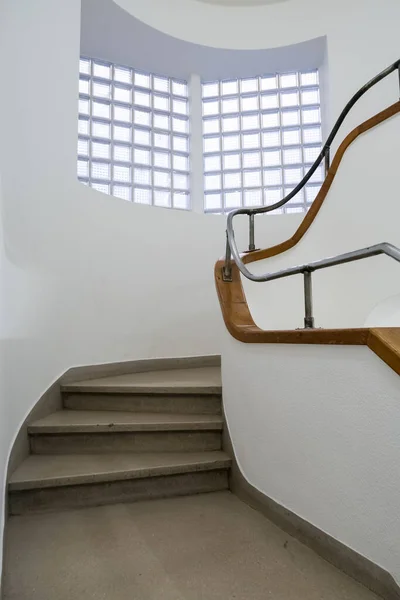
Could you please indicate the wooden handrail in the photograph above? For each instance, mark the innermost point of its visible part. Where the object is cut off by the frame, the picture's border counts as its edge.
(385, 342)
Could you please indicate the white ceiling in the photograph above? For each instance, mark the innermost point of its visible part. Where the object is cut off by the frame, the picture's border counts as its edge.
(242, 2)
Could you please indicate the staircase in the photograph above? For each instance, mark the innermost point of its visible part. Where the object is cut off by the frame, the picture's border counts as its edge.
(125, 438)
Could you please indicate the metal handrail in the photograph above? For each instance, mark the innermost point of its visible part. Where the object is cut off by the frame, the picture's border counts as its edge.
(231, 247)
(309, 268)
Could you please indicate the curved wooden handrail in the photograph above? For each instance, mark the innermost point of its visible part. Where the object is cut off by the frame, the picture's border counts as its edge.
(385, 342)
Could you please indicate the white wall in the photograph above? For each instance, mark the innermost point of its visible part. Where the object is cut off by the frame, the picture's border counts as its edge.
(316, 428)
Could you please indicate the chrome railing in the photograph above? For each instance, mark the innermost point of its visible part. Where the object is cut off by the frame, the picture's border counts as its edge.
(324, 155)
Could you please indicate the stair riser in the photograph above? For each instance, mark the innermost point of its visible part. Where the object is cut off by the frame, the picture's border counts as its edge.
(143, 441)
(183, 404)
(115, 492)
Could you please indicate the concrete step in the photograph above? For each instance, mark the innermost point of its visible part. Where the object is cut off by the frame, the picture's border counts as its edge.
(95, 432)
(189, 391)
(46, 483)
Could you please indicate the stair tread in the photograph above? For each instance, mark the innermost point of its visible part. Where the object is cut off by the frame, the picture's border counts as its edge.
(83, 421)
(180, 381)
(53, 471)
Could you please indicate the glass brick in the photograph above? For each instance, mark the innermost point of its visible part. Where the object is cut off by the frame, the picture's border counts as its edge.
(294, 209)
(270, 120)
(290, 118)
(100, 150)
(122, 134)
(180, 107)
(311, 115)
(122, 94)
(312, 192)
(230, 88)
(161, 84)
(272, 177)
(181, 200)
(122, 153)
(180, 144)
(122, 173)
(230, 142)
(83, 168)
(161, 179)
(181, 181)
(142, 79)
(253, 198)
(100, 171)
(210, 90)
(101, 109)
(250, 122)
(211, 144)
(269, 82)
(251, 178)
(83, 106)
(251, 140)
(101, 90)
(212, 201)
(249, 103)
(271, 158)
(180, 163)
(83, 126)
(141, 176)
(270, 138)
(232, 180)
(123, 74)
(161, 102)
(310, 78)
(122, 113)
(288, 80)
(142, 98)
(309, 97)
(312, 135)
(272, 196)
(231, 161)
(84, 66)
(293, 176)
(142, 117)
(83, 147)
(251, 160)
(212, 182)
(84, 86)
(211, 126)
(269, 101)
(142, 196)
(230, 124)
(249, 85)
(291, 137)
(289, 99)
(179, 88)
(101, 70)
(211, 107)
(212, 163)
(230, 105)
(101, 187)
(122, 191)
(162, 198)
(318, 176)
(180, 125)
(162, 160)
(141, 137)
(101, 130)
(292, 156)
(311, 153)
(161, 122)
(233, 199)
(297, 198)
(141, 156)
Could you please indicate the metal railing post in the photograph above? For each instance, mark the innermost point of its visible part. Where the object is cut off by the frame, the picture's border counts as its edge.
(327, 160)
(308, 318)
(252, 246)
(227, 268)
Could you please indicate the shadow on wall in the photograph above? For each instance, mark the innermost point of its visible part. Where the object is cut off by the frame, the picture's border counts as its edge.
(385, 313)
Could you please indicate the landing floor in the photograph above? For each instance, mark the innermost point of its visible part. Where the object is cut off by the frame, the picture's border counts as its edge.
(207, 547)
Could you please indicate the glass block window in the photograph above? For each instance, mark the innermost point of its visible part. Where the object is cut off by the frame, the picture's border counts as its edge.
(260, 136)
(133, 134)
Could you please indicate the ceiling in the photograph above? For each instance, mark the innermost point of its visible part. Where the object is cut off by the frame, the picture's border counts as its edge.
(242, 2)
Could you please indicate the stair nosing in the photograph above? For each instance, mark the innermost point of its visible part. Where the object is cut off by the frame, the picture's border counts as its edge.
(222, 462)
(190, 390)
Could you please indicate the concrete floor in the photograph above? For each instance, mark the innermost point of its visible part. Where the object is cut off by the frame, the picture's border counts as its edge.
(207, 547)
